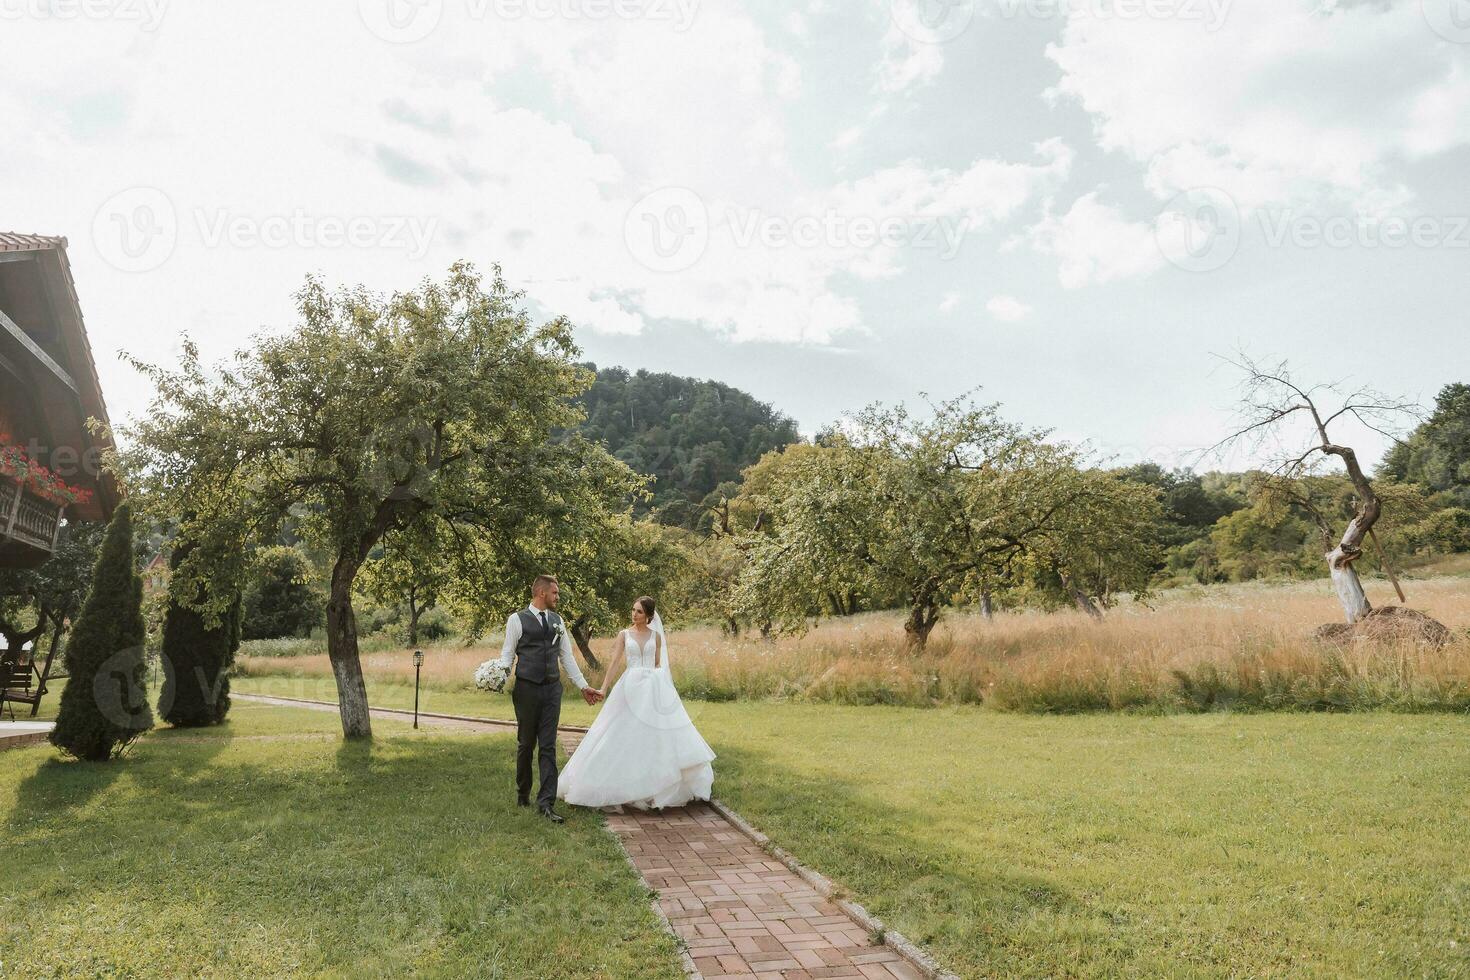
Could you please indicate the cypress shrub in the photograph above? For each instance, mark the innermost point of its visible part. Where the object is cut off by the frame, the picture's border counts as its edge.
(196, 657)
(104, 705)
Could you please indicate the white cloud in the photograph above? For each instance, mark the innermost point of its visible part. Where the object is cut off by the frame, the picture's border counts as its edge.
(907, 61)
(1007, 309)
(1287, 100)
(949, 302)
(1094, 243)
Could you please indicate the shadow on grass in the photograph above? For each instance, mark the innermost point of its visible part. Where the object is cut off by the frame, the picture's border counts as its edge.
(57, 788)
(355, 756)
(61, 785)
(405, 855)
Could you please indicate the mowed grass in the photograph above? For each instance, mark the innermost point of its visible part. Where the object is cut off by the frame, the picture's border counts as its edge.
(1106, 845)
(1111, 845)
(267, 847)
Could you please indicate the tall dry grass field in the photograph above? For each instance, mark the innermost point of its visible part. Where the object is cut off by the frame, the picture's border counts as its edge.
(1246, 647)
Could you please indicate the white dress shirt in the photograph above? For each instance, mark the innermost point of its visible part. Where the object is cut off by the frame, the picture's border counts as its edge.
(569, 668)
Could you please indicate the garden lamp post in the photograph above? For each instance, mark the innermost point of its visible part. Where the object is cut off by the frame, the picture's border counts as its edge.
(418, 662)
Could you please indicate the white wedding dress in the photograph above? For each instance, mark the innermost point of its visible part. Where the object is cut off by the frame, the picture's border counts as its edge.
(642, 750)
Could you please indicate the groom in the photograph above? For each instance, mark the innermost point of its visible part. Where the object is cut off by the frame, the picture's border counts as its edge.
(537, 638)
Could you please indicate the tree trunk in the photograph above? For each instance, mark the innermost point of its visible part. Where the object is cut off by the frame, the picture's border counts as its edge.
(342, 651)
(1081, 599)
(923, 614)
(987, 605)
(583, 636)
(734, 625)
(60, 622)
(1345, 581)
(413, 618)
(16, 638)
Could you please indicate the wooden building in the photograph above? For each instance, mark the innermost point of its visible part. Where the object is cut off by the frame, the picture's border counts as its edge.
(49, 460)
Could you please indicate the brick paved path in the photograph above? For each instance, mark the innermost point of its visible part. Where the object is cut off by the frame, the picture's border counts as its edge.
(741, 912)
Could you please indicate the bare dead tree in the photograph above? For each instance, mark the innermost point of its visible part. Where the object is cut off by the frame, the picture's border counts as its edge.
(1297, 423)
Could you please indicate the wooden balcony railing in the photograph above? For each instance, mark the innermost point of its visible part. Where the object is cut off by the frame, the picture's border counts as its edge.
(27, 519)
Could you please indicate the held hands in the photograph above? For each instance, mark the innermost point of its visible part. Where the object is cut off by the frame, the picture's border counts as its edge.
(591, 695)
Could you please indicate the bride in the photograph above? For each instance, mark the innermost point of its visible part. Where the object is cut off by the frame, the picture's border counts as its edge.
(642, 750)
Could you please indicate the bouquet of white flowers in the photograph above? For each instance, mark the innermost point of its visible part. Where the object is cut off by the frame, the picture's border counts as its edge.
(491, 676)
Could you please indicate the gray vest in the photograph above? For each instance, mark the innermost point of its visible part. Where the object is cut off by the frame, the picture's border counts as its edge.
(538, 649)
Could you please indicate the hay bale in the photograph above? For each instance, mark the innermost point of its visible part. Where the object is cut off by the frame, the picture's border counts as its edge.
(1388, 625)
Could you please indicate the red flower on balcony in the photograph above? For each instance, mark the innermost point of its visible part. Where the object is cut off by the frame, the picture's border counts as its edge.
(41, 482)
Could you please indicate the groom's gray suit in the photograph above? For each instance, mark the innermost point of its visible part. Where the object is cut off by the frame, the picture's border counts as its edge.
(537, 639)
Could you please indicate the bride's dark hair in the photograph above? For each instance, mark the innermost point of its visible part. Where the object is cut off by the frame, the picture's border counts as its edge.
(645, 602)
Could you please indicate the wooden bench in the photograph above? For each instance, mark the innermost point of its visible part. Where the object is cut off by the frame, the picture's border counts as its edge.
(22, 680)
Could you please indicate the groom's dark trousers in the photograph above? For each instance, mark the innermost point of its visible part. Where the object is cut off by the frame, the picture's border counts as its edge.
(538, 711)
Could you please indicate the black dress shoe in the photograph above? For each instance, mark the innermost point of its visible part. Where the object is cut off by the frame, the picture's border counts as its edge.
(552, 815)
(523, 801)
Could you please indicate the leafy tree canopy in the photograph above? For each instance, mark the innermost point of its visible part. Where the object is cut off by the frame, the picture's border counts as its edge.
(35, 599)
(1437, 453)
(280, 598)
(928, 510)
(370, 414)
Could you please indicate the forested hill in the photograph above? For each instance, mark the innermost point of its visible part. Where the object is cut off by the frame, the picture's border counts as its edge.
(690, 435)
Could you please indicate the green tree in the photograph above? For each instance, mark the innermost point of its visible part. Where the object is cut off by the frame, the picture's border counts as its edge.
(104, 705)
(34, 600)
(196, 654)
(1265, 540)
(1190, 506)
(748, 511)
(689, 435)
(408, 569)
(623, 560)
(279, 598)
(926, 511)
(1443, 532)
(370, 414)
(1106, 542)
(706, 588)
(1437, 453)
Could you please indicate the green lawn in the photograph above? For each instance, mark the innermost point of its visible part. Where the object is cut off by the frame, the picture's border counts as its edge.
(1095, 845)
(1105, 845)
(1099, 845)
(266, 848)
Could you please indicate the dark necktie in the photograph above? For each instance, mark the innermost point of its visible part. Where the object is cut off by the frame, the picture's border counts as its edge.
(543, 619)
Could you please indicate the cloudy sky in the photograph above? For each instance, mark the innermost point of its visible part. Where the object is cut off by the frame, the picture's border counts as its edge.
(1075, 204)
